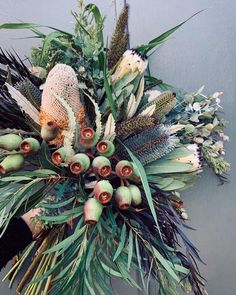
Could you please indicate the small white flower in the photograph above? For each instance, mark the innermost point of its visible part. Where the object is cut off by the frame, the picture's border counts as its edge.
(217, 94)
(197, 106)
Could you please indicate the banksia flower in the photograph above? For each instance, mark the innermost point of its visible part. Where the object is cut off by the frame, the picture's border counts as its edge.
(105, 148)
(123, 197)
(103, 191)
(92, 211)
(30, 145)
(136, 197)
(124, 169)
(49, 131)
(61, 156)
(11, 163)
(10, 142)
(88, 138)
(79, 163)
(102, 166)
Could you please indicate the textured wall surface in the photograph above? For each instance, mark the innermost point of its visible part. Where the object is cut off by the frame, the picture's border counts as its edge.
(200, 53)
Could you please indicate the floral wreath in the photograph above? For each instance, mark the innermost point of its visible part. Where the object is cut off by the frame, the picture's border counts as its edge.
(104, 149)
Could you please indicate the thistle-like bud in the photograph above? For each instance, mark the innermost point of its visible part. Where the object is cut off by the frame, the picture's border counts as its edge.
(135, 195)
(123, 197)
(61, 156)
(124, 169)
(11, 163)
(30, 145)
(10, 142)
(92, 211)
(103, 191)
(88, 138)
(102, 166)
(105, 148)
(79, 163)
(49, 131)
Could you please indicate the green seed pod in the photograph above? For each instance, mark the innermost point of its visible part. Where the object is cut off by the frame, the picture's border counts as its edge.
(61, 156)
(79, 163)
(102, 166)
(10, 142)
(11, 163)
(30, 145)
(49, 131)
(105, 148)
(135, 195)
(88, 138)
(124, 169)
(92, 211)
(123, 197)
(103, 191)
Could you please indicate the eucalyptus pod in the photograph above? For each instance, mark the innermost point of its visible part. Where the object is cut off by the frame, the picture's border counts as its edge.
(103, 191)
(79, 163)
(102, 166)
(10, 142)
(124, 169)
(136, 196)
(30, 145)
(105, 148)
(92, 211)
(12, 163)
(123, 197)
(61, 155)
(88, 138)
(49, 131)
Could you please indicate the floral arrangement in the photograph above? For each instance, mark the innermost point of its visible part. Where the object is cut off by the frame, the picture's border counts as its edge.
(104, 149)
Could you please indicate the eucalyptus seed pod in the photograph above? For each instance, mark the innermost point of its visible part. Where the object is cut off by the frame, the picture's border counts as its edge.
(92, 211)
(11, 163)
(105, 148)
(103, 191)
(88, 138)
(123, 197)
(102, 166)
(124, 169)
(79, 163)
(30, 145)
(10, 142)
(136, 195)
(49, 131)
(61, 156)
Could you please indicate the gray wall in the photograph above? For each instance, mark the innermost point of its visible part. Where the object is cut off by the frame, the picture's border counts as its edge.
(200, 53)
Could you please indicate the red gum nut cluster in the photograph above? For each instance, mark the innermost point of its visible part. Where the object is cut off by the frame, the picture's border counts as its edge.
(79, 163)
(88, 138)
(105, 148)
(103, 191)
(102, 166)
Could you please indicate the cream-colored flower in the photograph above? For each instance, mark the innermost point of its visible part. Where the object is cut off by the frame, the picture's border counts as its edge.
(192, 159)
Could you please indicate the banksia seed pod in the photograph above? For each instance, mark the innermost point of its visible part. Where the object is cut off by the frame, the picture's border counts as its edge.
(11, 163)
(49, 131)
(123, 197)
(30, 145)
(102, 166)
(79, 163)
(61, 155)
(105, 148)
(10, 142)
(136, 197)
(103, 191)
(88, 138)
(124, 169)
(92, 211)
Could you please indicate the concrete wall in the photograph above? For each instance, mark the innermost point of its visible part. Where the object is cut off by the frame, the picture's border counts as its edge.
(200, 53)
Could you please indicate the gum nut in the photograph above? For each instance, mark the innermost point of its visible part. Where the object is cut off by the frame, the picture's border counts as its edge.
(124, 169)
(11, 163)
(102, 166)
(135, 195)
(92, 211)
(79, 163)
(105, 148)
(87, 133)
(103, 191)
(49, 131)
(29, 145)
(58, 157)
(89, 143)
(10, 142)
(123, 197)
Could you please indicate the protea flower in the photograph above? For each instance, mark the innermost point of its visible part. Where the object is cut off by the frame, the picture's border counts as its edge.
(79, 163)
(30, 145)
(102, 166)
(10, 142)
(130, 62)
(103, 191)
(49, 131)
(123, 197)
(88, 138)
(124, 169)
(193, 159)
(105, 148)
(61, 155)
(11, 163)
(136, 197)
(92, 211)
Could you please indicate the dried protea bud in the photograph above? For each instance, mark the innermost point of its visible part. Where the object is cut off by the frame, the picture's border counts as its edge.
(102, 166)
(105, 148)
(11, 163)
(79, 163)
(10, 142)
(124, 169)
(135, 195)
(88, 138)
(92, 211)
(123, 197)
(61, 156)
(30, 145)
(103, 191)
(49, 131)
